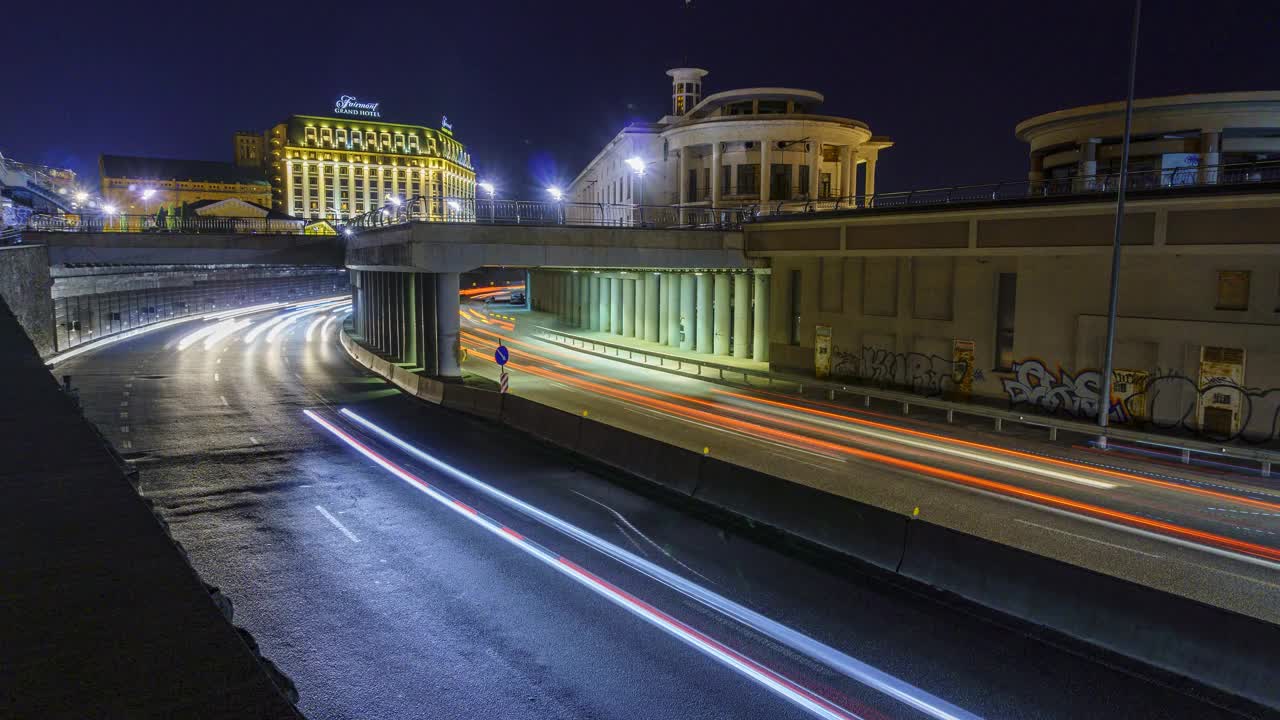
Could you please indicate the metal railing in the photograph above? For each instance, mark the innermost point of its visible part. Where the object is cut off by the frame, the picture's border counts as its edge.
(486, 211)
(677, 363)
(101, 222)
(1102, 184)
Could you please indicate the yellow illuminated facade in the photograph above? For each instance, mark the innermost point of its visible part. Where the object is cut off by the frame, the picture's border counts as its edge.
(141, 185)
(326, 168)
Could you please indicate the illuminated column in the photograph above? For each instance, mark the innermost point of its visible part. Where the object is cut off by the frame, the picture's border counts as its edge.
(1210, 155)
(687, 281)
(411, 319)
(815, 168)
(606, 304)
(704, 313)
(597, 302)
(628, 307)
(871, 172)
(324, 190)
(741, 315)
(671, 309)
(640, 301)
(1088, 166)
(760, 331)
(615, 305)
(720, 339)
(305, 211)
(351, 190)
(447, 324)
(715, 175)
(765, 175)
(651, 315)
(584, 300)
(846, 173)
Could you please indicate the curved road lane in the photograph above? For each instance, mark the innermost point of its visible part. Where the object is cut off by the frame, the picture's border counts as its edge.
(382, 602)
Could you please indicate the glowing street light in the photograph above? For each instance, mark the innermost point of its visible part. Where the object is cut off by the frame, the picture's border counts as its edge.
(82, 196)
(488, 187)
(109, 209)
(148, 193)
(637, 165)
(556, 193)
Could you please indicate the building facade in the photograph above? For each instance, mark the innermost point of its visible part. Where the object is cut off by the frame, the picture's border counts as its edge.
(1178, 140)
(335, 168)
(142, 186)
(763, 147)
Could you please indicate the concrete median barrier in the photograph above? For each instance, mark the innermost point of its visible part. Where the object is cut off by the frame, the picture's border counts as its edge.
(475, 401)
(868, 533)
(672, 467)
(1219, 648)
(555, 426)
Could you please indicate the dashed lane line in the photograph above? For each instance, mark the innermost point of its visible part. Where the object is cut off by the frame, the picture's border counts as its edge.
(350, 535)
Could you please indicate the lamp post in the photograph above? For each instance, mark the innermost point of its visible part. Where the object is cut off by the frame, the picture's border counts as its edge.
(557, 195)
(638, 166)
(1104, 398)
(492, 192)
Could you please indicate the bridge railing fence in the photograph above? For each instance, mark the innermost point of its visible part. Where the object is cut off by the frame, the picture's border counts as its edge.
(102, 222)
(493, 211)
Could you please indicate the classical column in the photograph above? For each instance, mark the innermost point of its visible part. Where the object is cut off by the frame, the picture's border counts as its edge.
(715, 175)
(760, 331)
(615, 305)
(1210, 155)
(651, 290)
(741, 315)
(687, 281)
(628, 307)
(720, 331)
(1088, 167)
(640, 301)
(872, 157)
(584, 300)
(682, 167)
(815, 168)
(447, 325)
(846, 174)
(765, 175)
(671, 309)
(704, 313)
(606, 304)
(1035, 175)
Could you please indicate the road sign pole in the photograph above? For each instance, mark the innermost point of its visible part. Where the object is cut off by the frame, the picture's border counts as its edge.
(502, 382)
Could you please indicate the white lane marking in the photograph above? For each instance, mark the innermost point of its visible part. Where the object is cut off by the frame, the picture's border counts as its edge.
(124, 403)
(350, 535)
(938, 447)
(1082, 537)
(254, 440)
(124, 413)
(128, 385)
(224, 400)
(1243, 512)
(125, 393)
(126, 444)
(124, 428)
(215, 377)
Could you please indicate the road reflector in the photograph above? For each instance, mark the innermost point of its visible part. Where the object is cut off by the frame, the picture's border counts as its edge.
(584, 413)
(706, 450)
(916, 512)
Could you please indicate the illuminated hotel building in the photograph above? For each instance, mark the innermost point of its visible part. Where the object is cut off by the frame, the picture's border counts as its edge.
(336, 168)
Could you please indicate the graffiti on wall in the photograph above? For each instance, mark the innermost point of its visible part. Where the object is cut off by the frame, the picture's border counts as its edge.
(928, 375)
(1164, 399)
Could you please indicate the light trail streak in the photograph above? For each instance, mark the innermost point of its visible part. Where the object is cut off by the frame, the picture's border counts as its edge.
(849, 666)
(311, 329)
(228, 327)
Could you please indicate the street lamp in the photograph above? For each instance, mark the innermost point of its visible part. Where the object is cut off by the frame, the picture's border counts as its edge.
(638, 166)
(493, 192)
(556, 194)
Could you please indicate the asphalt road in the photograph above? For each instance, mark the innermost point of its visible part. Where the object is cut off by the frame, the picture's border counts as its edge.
(383, 601)
(1207, 534)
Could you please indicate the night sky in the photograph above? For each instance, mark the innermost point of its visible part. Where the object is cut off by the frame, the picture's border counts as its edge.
(535, 89)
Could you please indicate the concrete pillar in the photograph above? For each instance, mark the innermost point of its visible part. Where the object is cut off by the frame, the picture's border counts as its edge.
(566, 298)
(575, 301)
(615, 305)
(584, 300)
(651, 290)
(357, 302)
(606, 306)
(593, 302)
(720, 329)
(815, 168)
(628, 307)
(846, 171)
(397, 316)
(684, 323)
(673, 282)
(760, 329)
(375, 310)
(703, 337)
(1087, 170)
(410, 353)
(1210, 155)
(715, 174)
(741, 315)
(765, 161)
(528, 290)
(640, 298)
(447, 325)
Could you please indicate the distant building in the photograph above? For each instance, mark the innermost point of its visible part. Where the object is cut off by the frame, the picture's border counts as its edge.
(339, 167)
(142, 185)
(754, 146)
(27, 188)
(1177, 140)
(235, 215)
(250, 149)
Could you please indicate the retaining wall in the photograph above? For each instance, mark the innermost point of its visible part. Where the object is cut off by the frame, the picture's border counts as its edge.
(1225, 650)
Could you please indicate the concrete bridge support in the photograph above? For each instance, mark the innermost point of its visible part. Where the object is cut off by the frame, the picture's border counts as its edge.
(410, 318)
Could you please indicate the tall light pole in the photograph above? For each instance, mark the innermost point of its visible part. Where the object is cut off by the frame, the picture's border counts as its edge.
(1104, 398)
(638, 166)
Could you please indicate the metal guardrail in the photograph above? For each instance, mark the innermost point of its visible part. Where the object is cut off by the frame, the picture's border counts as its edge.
(1102, 184)
(485, 211)
(666, 362)
(102, 222)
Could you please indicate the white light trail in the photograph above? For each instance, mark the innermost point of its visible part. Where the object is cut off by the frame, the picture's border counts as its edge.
(311, 329)
(849, 666)
(227, 328)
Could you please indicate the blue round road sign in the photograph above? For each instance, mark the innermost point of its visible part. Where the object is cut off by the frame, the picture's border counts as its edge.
(501, 354)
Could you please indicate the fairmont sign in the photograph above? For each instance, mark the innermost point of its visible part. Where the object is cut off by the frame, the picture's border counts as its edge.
(446, 125)
(349, 105)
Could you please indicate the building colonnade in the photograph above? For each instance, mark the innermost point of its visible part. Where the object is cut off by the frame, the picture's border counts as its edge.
(409, 317)
(711, 312)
